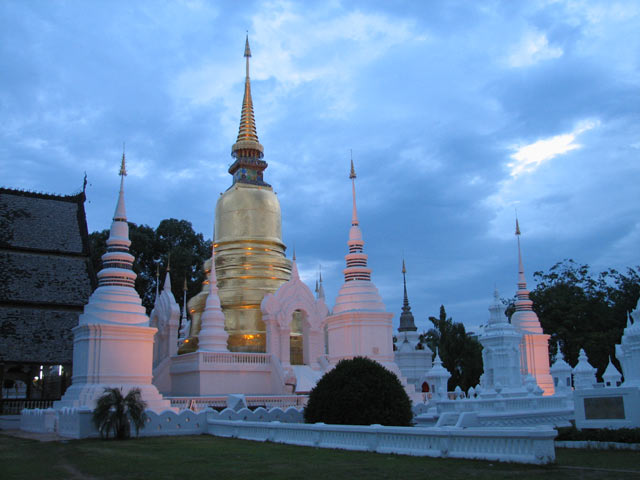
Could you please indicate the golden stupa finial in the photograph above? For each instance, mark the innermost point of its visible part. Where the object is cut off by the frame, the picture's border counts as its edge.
(247, 49)
(169, 262)
(247, 143)
(123, 167)
(185, 284)
(404, 269)
(352, 174)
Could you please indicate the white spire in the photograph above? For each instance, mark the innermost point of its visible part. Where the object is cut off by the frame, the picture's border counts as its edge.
(121, 211)
(522, 282)
(116, 301)
(352, 176)
(213, 337)
(167, 281)
(117, 263)
(524, 318)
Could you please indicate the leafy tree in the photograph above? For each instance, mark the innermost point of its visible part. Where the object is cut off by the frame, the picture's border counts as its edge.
(151, 248)
(461, 354)
(579, 309)
(115, 413)
(359, 391)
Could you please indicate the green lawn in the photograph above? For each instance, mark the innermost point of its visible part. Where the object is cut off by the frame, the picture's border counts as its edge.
(209, 457)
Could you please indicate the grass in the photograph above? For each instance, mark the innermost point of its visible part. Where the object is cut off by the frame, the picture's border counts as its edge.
(210, 457)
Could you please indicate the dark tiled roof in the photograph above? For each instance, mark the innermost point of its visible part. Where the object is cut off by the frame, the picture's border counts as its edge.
(42, 222)
(45, 274)
(36, 335)
(31, 277)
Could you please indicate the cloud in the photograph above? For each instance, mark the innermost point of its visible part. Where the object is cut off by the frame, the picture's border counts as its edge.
(529, 157)
(533, 48)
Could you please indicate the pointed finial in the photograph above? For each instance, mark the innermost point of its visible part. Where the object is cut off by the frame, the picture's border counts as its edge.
(247, 50)
(123, 167)
(185, 284)
(169, 261)
(517, 227)
(157, 271)
(352, 174)
(404, 269)
(294, 252)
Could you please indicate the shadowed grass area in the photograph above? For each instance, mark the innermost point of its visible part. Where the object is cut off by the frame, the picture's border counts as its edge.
(211, 457)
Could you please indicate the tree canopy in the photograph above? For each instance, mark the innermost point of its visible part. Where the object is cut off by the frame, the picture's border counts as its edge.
(460, 353)
(581, 309)
(151, 248)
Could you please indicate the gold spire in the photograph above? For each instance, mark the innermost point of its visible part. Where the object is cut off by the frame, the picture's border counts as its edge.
(517, 227)
(404, 269)
(185, 284)
(247, 143)
(169, 262)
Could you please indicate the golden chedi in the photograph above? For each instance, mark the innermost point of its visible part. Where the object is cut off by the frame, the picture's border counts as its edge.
(249, 253)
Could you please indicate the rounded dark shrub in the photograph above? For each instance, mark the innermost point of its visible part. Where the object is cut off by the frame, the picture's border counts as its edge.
(359, 392)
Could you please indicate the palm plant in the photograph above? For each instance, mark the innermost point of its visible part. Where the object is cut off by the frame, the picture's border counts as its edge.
(115, 413)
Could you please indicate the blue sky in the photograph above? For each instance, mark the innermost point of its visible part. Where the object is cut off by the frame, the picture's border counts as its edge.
(458, 113)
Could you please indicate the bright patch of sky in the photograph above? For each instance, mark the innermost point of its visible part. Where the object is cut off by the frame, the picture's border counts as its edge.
(457, 113)
(533, 48)
(529, 157)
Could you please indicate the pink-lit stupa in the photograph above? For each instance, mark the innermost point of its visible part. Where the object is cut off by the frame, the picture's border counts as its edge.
(534, 346)
(113, 343)
(359, 324)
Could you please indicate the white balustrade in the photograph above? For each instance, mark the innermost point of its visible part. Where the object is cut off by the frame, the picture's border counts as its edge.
(232, 358)
(220, 401)
(525, 444)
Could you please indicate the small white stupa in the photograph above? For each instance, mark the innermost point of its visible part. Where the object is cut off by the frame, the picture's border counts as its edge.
(437, 378)
(628, 351)
(500, 351)
(561, 374)
(584, 374)
(113, 343)
(213, 337)
(165, 316)
(611, 375)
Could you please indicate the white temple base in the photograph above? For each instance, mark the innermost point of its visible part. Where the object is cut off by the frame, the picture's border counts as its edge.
(86, 396)
(219, 373)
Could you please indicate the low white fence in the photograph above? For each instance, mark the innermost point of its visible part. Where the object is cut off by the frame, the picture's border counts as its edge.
(77, 422)
(220, 401)
(525, 445)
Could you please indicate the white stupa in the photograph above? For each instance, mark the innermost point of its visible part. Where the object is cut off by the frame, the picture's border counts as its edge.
(500, 351)
(584, 374)
(213, 337)
(360, 324)
(534, 346)
(113, 343)
(628, 351)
